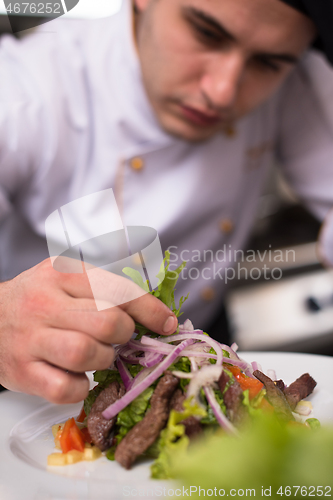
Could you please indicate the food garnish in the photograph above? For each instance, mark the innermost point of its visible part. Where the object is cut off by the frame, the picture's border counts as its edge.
(164, 393)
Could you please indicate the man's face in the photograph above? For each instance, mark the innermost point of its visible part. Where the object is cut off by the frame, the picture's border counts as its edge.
(206, 63)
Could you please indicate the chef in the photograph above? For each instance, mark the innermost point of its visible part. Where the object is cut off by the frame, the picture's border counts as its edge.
(179, 106)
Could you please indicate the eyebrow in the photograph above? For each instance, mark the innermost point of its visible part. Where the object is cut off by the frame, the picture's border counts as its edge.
(192, 12)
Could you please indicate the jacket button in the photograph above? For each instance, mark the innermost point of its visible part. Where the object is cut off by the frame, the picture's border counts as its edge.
(226, 226)
(208, 294)
(230, 131)
(137, 163)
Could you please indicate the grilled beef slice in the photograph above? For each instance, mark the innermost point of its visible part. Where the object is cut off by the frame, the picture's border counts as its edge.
(275, 396)
(100, 428)
(233, 399)
(223, 380)
(280, 384)
(192, 426)
(144, 433)
(300, 389)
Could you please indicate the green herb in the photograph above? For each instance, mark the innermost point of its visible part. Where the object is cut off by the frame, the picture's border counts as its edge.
(164, 292)
(313, 423)
(111, 453)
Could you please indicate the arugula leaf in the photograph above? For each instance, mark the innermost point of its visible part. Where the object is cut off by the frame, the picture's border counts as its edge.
(164, 292)
(105, 377)
(136, 277)
(90, 399)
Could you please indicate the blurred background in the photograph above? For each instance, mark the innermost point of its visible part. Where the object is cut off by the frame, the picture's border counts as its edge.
(294, 313)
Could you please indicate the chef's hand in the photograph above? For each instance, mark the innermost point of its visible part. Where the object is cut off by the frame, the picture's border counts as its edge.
(51, 331)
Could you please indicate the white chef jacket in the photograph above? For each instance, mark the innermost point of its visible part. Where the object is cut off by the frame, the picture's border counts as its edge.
(75, 119)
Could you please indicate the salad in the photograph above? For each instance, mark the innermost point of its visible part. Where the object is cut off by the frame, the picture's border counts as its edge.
(163, 393)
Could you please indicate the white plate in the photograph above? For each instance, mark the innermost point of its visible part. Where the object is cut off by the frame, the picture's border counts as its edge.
(26, 440)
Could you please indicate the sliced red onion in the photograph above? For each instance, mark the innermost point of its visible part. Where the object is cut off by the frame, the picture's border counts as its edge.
(256, 366)
(270, 373)
(303, 408)
(219, 415)
(206, 375)
(134, 360)
(151, 359)
(155, 345)
(192, 331)
(243, 365)
(141, 376)
(194, 365)
(165, 349)
(186, 375)
(232, 353)
(145, 340)
(126, 377)
(187, 326)
(193, 335)
(234, 347)
(127, 354)
(133, 393)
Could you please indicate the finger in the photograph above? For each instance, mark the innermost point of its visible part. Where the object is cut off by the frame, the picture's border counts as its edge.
(143, 307)
(54, 384)
(111, 326)
(107, 289)
(71, 350)
(152, 313)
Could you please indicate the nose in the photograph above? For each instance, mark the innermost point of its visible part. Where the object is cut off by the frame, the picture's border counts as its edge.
(221, 81)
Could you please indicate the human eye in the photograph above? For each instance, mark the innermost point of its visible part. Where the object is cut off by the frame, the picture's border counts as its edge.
(205, 33)
(204, 30)
(267, 64)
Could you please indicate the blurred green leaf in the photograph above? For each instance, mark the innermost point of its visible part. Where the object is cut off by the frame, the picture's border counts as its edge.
(270, 454)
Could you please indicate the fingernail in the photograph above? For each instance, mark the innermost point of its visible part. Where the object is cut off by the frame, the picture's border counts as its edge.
(170, 325)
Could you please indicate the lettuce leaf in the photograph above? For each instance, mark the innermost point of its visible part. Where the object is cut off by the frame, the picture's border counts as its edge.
(173, 439)
(135, 411)
(253, 405)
